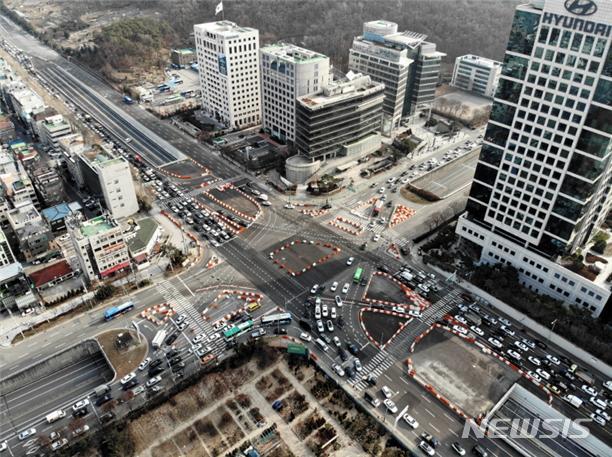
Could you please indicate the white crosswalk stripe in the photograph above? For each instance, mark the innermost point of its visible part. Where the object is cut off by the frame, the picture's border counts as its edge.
(172, 295)
(377, 366)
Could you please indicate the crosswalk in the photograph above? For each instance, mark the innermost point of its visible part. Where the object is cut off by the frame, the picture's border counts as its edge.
(377, 366)
(172, 295)
(440, 308)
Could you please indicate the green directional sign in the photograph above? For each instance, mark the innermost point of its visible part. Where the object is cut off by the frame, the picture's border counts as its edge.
(298, 349)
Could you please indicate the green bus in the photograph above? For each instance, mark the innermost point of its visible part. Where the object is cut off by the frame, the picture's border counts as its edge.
(358, 274)
(236, 330)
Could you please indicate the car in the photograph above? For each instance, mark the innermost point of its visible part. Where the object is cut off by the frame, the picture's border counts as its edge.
(515, 355)
(107, 417)
(457, 448)
(535, 376)
(320, 327)
(528, 343)
(370, 379)
(495, 342)
(598, 402)
(305, 337)
(608, 385)
(477, 330)
(543, 374)
(324, 311)
(425, 447)
(338, 300)
(376, 237)
(314, 289)
(505, 321)
(317, 312)
(460, 318)
(171, 339)
(59, 444)
(432, 440)
(460, 329)
(127, 378)
(358, 365)
(138, 390)
(589, 390)
(534, 360)
(330, 325)
(338, 369)
(334, 286)
(27, 433)
(289, 206)
(343, 355)
(388, 393)
(507, 330)
(214, 337)
(541, 344)
(333, 314)
(183, 325)
(522, 346)
(3, 446)
(337, 341)
(479, 451)
(144, 364)
(381, 190)
(411, 421)
(603, 414)
(154, 380)
(80, 404)
(345, 288)
(598, 419)
(350, 372)
(180, 318)
(353, 348)
(553, 359)
(81, 430)
(390, 405)
(198, 338)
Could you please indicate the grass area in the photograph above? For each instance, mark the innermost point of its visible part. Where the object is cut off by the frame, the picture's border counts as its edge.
(123, 360)
(412, 197)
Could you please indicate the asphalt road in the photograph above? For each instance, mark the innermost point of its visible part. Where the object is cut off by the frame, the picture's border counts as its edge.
(450, 177)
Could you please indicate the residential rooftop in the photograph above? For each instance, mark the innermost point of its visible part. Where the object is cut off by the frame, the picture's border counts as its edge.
(96, 226)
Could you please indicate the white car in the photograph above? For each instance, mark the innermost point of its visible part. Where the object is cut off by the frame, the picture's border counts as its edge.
(144, 364)
(338, 301)
(3, 446)
(289, 206)
(598, 419)
(505, 321)
(460, 329)
(410, 420)
(127, 378)
(376, 237)
(334, 286)
(598, 402)
(529, 343)
(320, 327)
(151, 382)
(589, 390)
(534, 360)
(543, 374)
(345, 288)
(608, 385)
(461, 319)
(317, 312)
(388, 393)
(522, 346)
(414, 313)
(214, 337)
(350, 261)
(314, 289)
(333, 312)
(515, 355)
(80, 404)
(425, 447)
(338, 369)
(27, 433)
(507, 330)
(324, 311)
(603, 414)
(553, 359)
(390, 404)
(198, 338)
(399, 309)
(138, 390)
(534, 376)
(305, 337)
(337, 341)
(330, 325)
(477, 330)
(358, 365)
(494, 342)
(381, 190)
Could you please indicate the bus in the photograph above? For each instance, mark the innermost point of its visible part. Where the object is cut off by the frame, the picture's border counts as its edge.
(276, 319)
(115, 311)
(236, 330)
(358, 274)
(159, 338)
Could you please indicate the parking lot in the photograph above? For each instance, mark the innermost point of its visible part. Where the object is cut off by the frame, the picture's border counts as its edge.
(460, 372)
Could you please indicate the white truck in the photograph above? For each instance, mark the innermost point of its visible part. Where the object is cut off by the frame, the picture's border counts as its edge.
(158, 339)
(55, 416)
(573, 400)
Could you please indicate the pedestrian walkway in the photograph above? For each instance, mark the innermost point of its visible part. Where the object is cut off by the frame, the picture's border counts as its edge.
(381, 362)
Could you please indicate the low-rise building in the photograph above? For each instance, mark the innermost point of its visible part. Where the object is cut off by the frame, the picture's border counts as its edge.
(476, 74)
(53, 128)
(49, 185)
(27, 104)
(7, 129)
(15, 289)
(30, 234)
(18, 189)
(99, 245)
(142, 239)
(71, 147)
(342, 119)
(56, 216)
(51, 275)
(6, 253)
(182, 57)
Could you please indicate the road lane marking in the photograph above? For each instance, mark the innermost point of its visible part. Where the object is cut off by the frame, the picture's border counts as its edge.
(450, 417)
(186, 286)
(425, 398)
(432, 426)
(429, 412)
(453, 432)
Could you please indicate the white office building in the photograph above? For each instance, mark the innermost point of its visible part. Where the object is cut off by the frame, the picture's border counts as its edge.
(384, 62)
(543, 183)
(228, 59)
(288, 72)
(476, 74)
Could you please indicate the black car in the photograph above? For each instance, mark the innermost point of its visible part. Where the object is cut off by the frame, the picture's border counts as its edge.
(178, 367)
(175, 360)
(131, 383)
(155, 371)
(343, 354)
(80, 412)
(171, 353)
(371, 379)
(350, 372)
(107, 417)
(479, 451)
(404, 250)
(340, 322)
(171, 338)
(384, 268)
(353, 348)
(432, 440)
(106, 398)
(280, 331)
(155, 363)
(541, 344)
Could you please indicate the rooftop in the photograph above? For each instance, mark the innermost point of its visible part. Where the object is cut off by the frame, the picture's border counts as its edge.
(61, 211)
(51, 272)
(408, 39)
(142, 235)
(96, 226)
(183, 51)
(226, 29)
(480, 61)
(355, 85)
(292, 54)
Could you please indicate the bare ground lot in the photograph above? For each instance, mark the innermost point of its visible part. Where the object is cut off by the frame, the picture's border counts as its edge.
(235, 199)
(123, 360)
(381, 326)
(183, 168)
(384, 289)
(302, 254)
(459, 371)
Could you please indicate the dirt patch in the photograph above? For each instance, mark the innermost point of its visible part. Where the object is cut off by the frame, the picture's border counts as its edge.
(297, 256)
(459, 371)
(384, 289)
(381, 327)
(412, 197)
(124, 359)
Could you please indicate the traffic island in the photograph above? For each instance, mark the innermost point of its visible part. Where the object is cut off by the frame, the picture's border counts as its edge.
(298, 256)
(384, 289)
(184, 169)
(381, 326)
(123, 350)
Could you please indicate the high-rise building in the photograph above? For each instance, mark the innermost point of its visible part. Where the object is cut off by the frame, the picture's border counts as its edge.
(384, 62)
(543, 183)
(99, 245)
(343, 119)
(476, 74)
(228, 60)
(288, 72)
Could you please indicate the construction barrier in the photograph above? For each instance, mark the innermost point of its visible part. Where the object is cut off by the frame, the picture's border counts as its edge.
(400, 214)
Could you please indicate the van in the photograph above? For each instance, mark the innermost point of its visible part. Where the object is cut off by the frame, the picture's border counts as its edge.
(102, 390)
(55, 416)
(319, 342)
